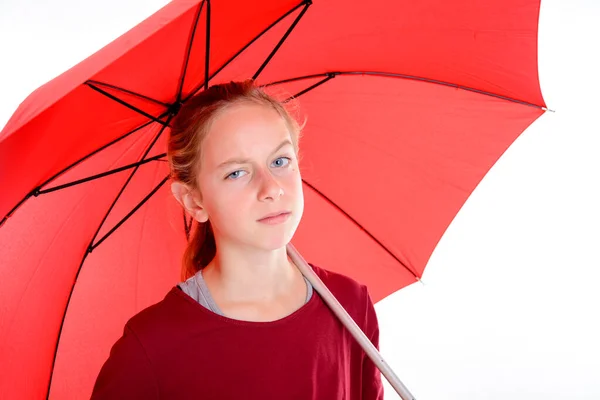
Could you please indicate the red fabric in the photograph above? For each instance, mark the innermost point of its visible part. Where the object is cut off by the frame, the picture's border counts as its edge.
(388, 161)
(177, 349)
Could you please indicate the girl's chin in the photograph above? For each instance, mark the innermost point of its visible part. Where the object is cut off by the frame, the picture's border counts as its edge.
(273, 240)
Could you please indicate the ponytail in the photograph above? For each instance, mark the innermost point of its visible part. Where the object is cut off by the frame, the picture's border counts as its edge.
(200, 250)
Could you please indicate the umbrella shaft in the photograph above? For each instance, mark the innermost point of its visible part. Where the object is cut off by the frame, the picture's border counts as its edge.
(349, 323)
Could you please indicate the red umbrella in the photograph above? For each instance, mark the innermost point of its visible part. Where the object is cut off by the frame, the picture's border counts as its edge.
(409, 105)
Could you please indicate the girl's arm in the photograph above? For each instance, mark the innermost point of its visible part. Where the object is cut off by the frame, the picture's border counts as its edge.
(127, 374)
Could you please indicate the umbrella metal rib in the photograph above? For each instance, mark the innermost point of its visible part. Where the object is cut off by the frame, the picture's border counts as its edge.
(126, 104)
(308, 89)
(414, 274)
(191, 43)
(409, 77)
(125, 218)
(285, 36)
(130, 92)
(207, 54)
(102, 175)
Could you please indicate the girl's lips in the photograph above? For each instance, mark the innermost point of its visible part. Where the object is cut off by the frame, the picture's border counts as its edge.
(276, 219)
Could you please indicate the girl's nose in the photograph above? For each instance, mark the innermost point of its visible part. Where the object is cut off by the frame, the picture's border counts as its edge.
(269, 189)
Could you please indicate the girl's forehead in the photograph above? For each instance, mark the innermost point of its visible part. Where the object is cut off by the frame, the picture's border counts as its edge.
(244, 131)
(244, 119)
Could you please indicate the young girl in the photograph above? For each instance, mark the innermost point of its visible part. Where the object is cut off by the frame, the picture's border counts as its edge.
(244, 323)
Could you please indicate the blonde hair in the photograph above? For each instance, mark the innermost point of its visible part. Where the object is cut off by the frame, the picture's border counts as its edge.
(184, 151)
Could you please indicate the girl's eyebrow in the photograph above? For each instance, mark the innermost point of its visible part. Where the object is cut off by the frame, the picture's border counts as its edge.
(246, 160)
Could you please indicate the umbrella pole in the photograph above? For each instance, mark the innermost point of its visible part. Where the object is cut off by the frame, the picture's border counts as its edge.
(349, 323)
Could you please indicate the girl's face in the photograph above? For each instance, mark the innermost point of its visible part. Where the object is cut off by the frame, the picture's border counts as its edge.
(249, 169)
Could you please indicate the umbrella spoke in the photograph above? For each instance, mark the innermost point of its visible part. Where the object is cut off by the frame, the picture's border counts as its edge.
(453, 85)
(409, 77)
(285, 36)
(91, 247)
(126, 104)
(300, 78)
(207, 79)
(207, 56)
(93, 177)
(122, 221)
(414, 274)
(189, 51)
(308, 89)
(120, 89)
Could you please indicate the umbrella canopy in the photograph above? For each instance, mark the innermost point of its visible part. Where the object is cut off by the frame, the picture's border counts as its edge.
(409, 105)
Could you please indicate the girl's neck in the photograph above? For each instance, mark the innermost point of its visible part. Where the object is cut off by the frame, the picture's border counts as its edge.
(251, 276)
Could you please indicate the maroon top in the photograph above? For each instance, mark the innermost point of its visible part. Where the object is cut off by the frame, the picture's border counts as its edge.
(177, 349)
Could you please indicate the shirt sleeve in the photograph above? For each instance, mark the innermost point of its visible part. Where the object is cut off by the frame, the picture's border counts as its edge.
(127, 373)
(372, 386)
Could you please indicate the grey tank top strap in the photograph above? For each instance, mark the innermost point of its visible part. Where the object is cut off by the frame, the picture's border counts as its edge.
(196, 288)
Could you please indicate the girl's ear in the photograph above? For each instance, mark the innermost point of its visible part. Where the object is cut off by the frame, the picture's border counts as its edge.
(190, 200)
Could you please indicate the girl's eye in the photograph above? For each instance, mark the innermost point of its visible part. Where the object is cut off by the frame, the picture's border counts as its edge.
(235, 174)
(281, 162)
(278, 163)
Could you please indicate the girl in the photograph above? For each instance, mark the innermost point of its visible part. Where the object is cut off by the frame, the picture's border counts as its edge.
(244, 323)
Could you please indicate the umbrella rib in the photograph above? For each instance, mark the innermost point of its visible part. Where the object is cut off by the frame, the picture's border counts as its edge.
(207, 46)
(125, 218)
(189, 52)
(414, 78)
(285, 36)
(414, 274)
(308, 89)
(98, 176)
(300, 78)
(38, 188)
(120, 89)
(91, 245)
(205, 84)
(125, 185)
(126, 104)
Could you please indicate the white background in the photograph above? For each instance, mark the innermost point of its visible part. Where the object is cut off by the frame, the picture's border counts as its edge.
(509, 305)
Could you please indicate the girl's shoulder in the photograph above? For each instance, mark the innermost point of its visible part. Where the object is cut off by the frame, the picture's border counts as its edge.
(337, 280)
(352, 294)
(165, 316)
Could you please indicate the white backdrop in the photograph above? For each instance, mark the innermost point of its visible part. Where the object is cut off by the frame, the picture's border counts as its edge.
(509, 305)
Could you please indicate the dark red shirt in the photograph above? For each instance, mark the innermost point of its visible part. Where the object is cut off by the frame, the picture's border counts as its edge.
(178, 349)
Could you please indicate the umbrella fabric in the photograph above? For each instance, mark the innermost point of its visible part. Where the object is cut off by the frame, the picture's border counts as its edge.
(409, 105)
